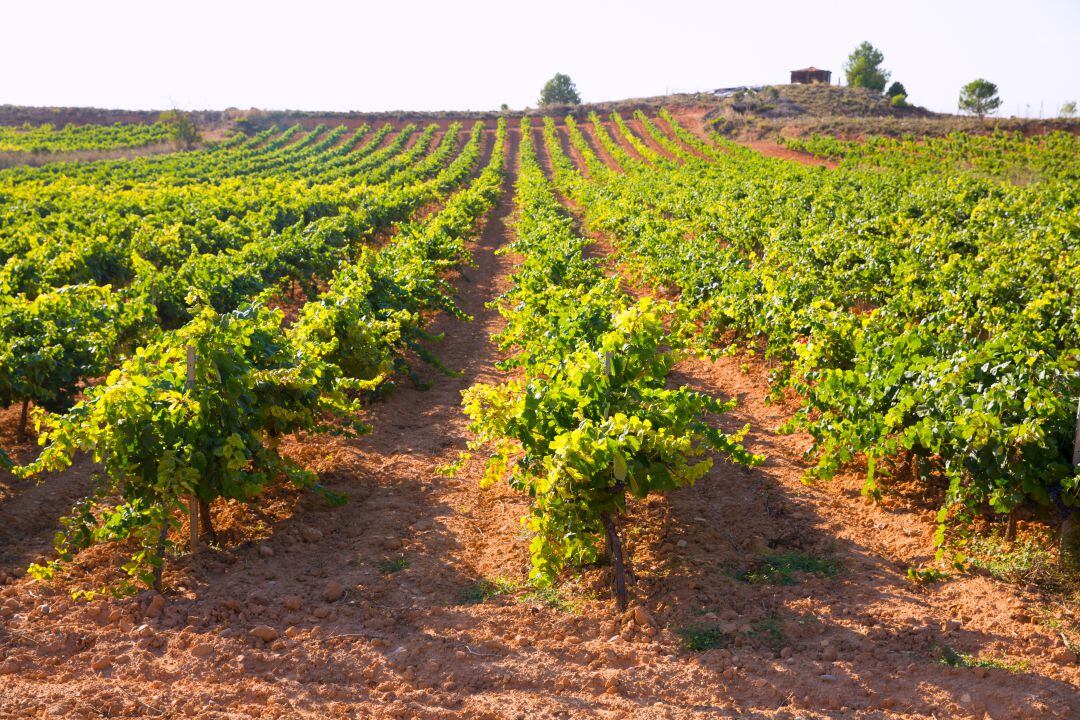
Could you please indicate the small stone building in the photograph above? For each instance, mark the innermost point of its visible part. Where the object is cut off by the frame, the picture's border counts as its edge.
(810, 75)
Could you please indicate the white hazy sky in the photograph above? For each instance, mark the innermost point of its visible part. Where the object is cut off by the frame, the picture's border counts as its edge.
(477, 54)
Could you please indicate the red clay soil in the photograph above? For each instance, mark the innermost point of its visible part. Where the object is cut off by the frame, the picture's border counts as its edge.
(407, 602)
(588, 132)
(772, 149)
(643, 134)
(622, 142)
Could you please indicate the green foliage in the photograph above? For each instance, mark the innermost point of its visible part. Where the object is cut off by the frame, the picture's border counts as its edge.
(979, 97)
(1030, 561)
(72, 138)
(925, 575)
(181, 128)
(924, 314)
(590, 419)
(60, 337)
(559, 90)
(899, 100)
(256, 380)
(895, 89)
(158, 443)
(863, 68)
(1068, 109)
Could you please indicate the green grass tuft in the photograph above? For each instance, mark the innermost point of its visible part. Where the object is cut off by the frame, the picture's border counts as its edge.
(389, 567)
(483, 590)
(954, 658)
(699, 638)
(781, 569)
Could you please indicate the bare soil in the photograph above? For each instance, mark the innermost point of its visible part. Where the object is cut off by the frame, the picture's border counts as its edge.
(409, 602)
(773, 149)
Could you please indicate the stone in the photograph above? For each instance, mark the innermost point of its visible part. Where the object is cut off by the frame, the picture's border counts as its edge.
(1064, 656)
(264, 633)
(334, 591)
(202, 650)
(311, 534)
(100, 663)
(156, 604)
(266, 551)
(643, 617)
(292, 602)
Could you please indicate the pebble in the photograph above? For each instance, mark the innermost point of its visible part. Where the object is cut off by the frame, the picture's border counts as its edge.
(1064, 657)
(101, 662)
(202, 650)
(680, 544)
(156, 604)
(643, 617)
(321, 612)
(266, 551)
(334, 591)
(311, 534)
(829, 654)
(292, 602)
(144, 631)
(264, 633)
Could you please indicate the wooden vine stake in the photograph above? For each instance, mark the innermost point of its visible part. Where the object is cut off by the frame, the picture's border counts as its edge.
(612, 541)
(1068, 521)
(20, 434)
(193, 501)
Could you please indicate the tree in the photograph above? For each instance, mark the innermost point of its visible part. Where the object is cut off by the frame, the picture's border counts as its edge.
(979, 97)
(897, 88)
(863, 68)
(899, 101)
(560, 90)
(181, 127)
(1068, 110)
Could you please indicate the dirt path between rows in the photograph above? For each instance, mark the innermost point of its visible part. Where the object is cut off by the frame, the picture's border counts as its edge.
(769, 148)
(642, 133)
(407, 602)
